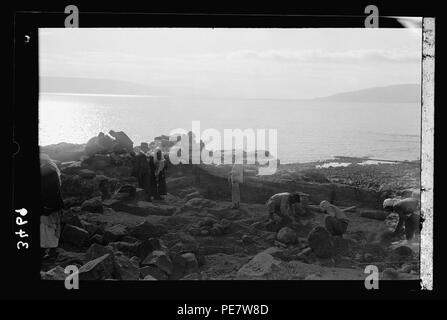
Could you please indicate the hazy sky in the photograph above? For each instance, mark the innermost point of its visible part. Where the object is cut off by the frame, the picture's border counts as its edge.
(243, 63)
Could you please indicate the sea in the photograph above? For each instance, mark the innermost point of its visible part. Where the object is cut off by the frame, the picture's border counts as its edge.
(307, 130)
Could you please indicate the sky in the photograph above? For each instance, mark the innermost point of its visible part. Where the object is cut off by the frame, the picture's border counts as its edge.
(236, 63)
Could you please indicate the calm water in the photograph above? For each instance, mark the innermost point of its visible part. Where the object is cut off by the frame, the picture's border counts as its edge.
(307, 131)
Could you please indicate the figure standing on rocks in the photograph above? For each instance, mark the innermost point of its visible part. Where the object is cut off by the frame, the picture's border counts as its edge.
(409, 217)
(144, 147)
(101, 144)
(336, 221)
(52, 204)
(160, 174)
(283, 204)
(236, 177)
(123, 142)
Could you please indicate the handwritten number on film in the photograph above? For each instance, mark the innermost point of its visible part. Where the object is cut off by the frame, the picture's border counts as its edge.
(72, 20)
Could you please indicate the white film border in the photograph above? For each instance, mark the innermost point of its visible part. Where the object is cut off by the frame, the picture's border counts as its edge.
(427, 151)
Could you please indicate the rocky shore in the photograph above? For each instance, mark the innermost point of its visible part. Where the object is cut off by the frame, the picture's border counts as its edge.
(111, 231)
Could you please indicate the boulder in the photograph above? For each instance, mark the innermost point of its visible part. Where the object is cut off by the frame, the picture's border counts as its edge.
(193, 195)
(65, 152)
(160, 260)
(402, 253)
(92, 228)
(247, 240)
(65, 258)
(93, 205)
(375, 249)
(72, 167)
(198, 203)
(146, 230)
(97, 238)
(154, 272)
(342, 246)
(70, 202)
(74, 235)
(390, 274)
(145, 247)
(149, 277)
(313, 277)
(98, 162)
(98, 269)
(286, 235)
(392, 220)
(84, 189)
(320, 241)
(183, 265)
(192, 276)
(275, 252)
(126, 191)
(374, 214)
(71, 218)
(145, 208)
(114, 233)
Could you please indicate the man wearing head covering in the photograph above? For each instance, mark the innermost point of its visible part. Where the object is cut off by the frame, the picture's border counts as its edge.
(144, 147)
(123, 142)
(236, 178)
(409, 217)
(282, 204)
(52, 204)
(336, 221)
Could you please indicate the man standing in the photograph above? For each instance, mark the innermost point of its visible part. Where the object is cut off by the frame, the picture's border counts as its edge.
(336, 221)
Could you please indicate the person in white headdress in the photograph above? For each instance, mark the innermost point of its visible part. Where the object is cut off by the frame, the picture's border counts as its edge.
(336, 221)
(52, 204)
(236, 177)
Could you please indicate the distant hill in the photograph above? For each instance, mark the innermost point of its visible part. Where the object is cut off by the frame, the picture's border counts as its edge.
(93, 86)
(389, 94)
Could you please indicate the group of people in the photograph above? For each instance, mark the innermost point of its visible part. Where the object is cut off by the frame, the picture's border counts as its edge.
(117, 142)
(150, 172)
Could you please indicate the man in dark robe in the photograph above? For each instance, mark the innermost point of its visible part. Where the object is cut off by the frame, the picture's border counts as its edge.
(141, 170)
(160, 174)
(52, 204)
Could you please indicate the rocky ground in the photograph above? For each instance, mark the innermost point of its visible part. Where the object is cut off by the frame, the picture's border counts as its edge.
(111, 231)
